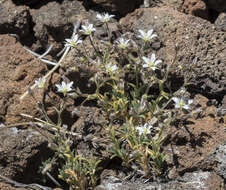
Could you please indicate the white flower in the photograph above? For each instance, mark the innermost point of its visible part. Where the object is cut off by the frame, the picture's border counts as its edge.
(64, 87)
(145, 129)
(73, 42)
(2, 125)
(88, 29)
(123, 43)
(181, 103)
(152, 63)
(105, 17)
(147, 36)
(111, 67)
(40, 82)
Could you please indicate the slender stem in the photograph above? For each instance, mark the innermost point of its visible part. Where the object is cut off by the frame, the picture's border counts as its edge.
(109, 32)
(19, 124)
(137, 81)
(143, 47)
(87, 55)
(169, 66)
(53, 179)
(37, 119)
(91, 41)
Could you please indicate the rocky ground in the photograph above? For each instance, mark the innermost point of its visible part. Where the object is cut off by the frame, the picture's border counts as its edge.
(196, 153)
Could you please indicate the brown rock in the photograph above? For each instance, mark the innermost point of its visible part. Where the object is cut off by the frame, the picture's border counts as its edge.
(191, 180)
(27, 2)
(191, 145)
(195, 39)
(14, 19)
(121, 6)
(54, 23)
(217, 5)
(221, 22)
(21, 154)
(5, 186)
(19, 70)
(196, 8)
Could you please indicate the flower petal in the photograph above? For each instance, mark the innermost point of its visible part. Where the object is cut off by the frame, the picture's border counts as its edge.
(153, 68)
(84, 27)
(99, 16)
(154, 36)
(68, 40)
(146, 60)
(145, 65)
(176, 100)
(186, 107)
(142, 33)
(149, 33)
(190, 102)
(70, 84)
(152, 58)
(177, 106)
(158, 62)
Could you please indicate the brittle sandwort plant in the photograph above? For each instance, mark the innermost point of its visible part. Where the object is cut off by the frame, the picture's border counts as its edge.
(134, 94)
(78, 171)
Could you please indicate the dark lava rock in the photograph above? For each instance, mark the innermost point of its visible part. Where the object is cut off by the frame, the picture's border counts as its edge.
(21, 154)
(221, 22)
(54, 22)
(190, 181)
(120, 6)
(14, 19)
(218, 159)
(217, 5)
(196, 39)
(196, 8)
(6, 186)
(26, 2)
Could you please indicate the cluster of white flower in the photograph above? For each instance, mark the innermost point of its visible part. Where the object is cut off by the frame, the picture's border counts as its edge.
(122, 43)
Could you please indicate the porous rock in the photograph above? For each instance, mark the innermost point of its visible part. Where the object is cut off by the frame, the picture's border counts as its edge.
(19, 69)
(54, 22)
(194, 180)
(21, 154)
(217, 5)
(121, 6)
(196, 8)
(221, 22)
(195, 38)
(218, 159)
(14, 19)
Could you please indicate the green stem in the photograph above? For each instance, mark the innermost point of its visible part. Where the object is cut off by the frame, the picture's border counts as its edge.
(137, 82)
(143, 47)
(96, 50)
(109, 32)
